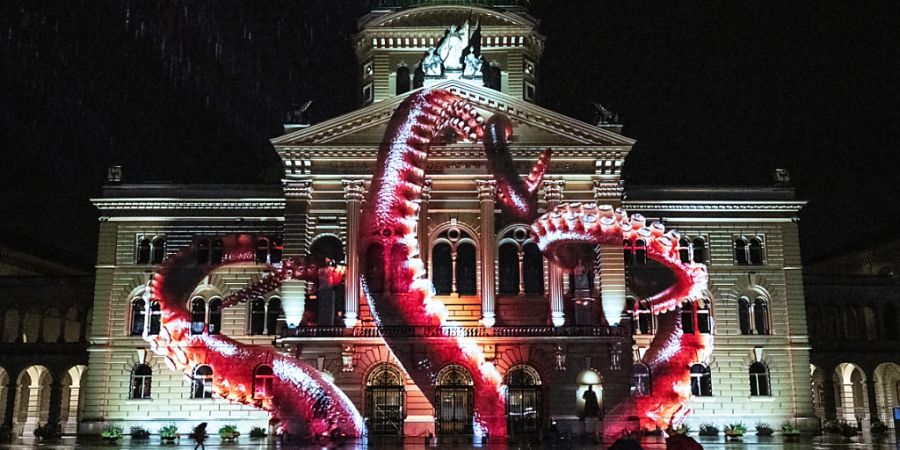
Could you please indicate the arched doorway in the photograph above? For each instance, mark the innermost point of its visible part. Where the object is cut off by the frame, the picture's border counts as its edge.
(4, 382)
(818, 391)
(887, 391)
(454, 400)
(523, 400)
(589, 396)
(384, 400)
(32, 399)
(71, 394)
(851, 396)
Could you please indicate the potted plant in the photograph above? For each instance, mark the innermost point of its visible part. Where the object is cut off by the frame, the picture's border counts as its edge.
(831, 426)
(763, 429)
(168, 434)
(48, 432)
(229, 433)
(848, 430)
(789, 430)
(258, 433)
(681, 429)
(878, 428)
(708, 429)
(140, 433)
(735, 431)
(111, 433)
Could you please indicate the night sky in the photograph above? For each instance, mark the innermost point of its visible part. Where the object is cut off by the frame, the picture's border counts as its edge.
(715, 93)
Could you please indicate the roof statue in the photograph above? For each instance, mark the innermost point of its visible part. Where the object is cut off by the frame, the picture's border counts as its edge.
(431, 64)
(298, 114)
(453, 52)
(472, 66)
(603, 116)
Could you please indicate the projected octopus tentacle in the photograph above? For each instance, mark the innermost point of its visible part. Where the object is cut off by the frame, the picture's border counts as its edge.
(564, 232)
(299, 396)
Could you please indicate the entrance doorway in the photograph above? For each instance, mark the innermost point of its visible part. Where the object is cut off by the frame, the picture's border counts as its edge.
(454, 401)
(384, 401)
(523, 400)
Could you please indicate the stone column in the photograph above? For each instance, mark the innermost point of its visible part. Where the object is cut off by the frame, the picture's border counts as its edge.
(830, 401)
(611, 270)
(487, 190)
(553, 193)
(354, 191)
(10, 406)
(71, 425)
(298, 195)
(55, 407)
(422, 225)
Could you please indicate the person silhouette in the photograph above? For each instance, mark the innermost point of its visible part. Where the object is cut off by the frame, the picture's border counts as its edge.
(591, 407)
(200, 436)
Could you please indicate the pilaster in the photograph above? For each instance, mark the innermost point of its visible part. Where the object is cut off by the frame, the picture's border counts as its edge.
(553, 194)
(611, 273)
(487, 192)
(354, 191)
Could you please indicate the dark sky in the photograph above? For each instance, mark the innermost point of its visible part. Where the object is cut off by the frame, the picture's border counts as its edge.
(714, 93)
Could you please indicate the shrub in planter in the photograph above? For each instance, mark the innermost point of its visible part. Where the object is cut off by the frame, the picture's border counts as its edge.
(168, 433)
(878, 427)
(258, 432)
(848, 430)
(831, 426)
(112, 433)
(790, 430)
(229, 433)
(139, 433)
(708, 429)
(763, 429)
(681, 429)
(48, 431)
(735, 430)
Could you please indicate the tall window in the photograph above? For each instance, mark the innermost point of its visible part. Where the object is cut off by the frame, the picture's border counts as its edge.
(699, 250)
(756, 251)
(532, 269)
(759, 380)
(257, 316)
(277, 250)
(684, 250)
(704, 316)
(202, 251)
(642, 382)
(508, 264)
(138, 317)
(628, 248)
(402, 79)
(753, 316)
(645, 318)
(687, 317)
(375, 269)
(215, 316)
(273, 312)
(890, 322)
(159, 250)
(262, 382)
(143, 253)
(141, 380)
(740, 252)
(262, 251)
(155, 314)
(454, 263)
(640, 252)
(201, 384)
(466, 266)
(701, 381)
(198, 316)
(218, 248)
(750, 252)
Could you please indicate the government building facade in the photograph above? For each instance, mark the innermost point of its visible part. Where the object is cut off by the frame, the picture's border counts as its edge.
(545, 330)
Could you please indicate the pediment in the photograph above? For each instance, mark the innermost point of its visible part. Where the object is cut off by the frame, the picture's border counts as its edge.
(532, 124)
(443, 15)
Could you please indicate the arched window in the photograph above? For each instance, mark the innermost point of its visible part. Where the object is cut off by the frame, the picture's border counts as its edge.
(687, 317)
(523, 400)
(756, 251)
(532, 269)
(740, 252)
(202, 251)
(273, 312)
(384, 400)
(442, 268)
(704, 316)
(870, 329)
(143, 253)
(699, 250)
(642, 383)
(400, 278)
(466, 269)
(159, 250)
(141, 380)
(640, 252)
(701, 381)
(218, 248)
(215, 316)
(375, 268)
(138, 317)
(257, 316)
(262, 251)
(759, 380)
(630, 314)
(508, 262)
(198, 316)
(628, 248)
(744, 315)
(155, 314)
(684, 250)
(890, 322)
(761, 315)
(454, 408)
(201, 384)
(277, 251)
(492, 76)
(402, 79)
(263, 378)
(645, 318)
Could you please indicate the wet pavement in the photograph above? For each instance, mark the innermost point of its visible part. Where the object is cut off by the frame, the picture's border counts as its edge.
(712, 443)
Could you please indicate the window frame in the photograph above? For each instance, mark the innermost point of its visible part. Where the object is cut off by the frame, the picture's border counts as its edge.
(144, 390)
(701, 382)
(202, 383)
(267, 380)
(760, 381)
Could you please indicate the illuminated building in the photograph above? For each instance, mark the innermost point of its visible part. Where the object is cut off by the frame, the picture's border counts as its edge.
(556, 339)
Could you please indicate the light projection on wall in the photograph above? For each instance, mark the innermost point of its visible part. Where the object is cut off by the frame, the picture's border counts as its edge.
(395, 285)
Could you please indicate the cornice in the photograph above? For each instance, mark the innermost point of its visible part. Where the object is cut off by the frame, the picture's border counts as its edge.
(715, 206)
(468, 152)
(121, 204)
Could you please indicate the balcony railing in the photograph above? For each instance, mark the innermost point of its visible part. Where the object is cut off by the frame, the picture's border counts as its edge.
(456, 331)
